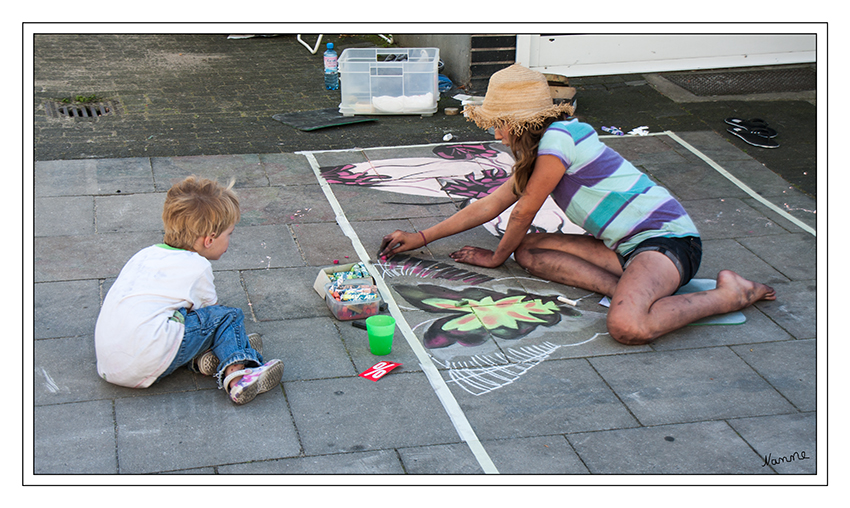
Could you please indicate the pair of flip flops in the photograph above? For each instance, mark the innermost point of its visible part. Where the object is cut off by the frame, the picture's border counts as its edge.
(754, 132)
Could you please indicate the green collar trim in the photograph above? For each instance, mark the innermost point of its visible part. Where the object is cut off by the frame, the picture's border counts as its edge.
(166, 246)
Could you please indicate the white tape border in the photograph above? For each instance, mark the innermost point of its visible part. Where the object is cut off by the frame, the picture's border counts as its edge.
(441, 389)
(744, 187)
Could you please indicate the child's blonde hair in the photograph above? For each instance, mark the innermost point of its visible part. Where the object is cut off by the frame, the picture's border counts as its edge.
(198, 207)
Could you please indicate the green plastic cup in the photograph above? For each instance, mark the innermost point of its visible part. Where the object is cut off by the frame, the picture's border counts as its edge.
(380, 330)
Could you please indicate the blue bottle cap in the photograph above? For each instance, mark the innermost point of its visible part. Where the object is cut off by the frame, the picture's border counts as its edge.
(330, 45)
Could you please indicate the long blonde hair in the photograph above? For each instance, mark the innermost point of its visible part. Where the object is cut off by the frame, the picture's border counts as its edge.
(524, 148)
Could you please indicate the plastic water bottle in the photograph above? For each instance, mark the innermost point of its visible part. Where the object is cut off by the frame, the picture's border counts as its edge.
(331, 68)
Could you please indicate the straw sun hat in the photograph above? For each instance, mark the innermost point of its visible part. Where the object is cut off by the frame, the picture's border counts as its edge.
(517, 98)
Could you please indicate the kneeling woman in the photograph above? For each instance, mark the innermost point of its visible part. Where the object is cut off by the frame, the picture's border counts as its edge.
(642, 245)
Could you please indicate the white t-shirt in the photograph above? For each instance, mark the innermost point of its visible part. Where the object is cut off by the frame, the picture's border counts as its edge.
(136, 337)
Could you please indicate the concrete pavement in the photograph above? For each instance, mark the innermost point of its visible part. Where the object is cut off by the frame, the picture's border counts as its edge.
(704, 400)
(561, 399)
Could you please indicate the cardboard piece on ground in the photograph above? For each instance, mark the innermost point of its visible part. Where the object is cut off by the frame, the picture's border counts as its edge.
(562, 92)
(318, 119)
(695, 286)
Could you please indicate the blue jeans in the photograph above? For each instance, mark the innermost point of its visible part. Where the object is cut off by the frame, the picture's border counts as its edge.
(218, 328)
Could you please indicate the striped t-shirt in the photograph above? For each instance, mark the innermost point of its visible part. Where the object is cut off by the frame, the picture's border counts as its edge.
(606, 195)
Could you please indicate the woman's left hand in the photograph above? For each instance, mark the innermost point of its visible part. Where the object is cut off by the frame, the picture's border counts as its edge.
(476, 256)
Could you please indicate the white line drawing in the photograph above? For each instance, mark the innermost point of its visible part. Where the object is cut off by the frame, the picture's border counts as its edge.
(51, 385)
(500, 369)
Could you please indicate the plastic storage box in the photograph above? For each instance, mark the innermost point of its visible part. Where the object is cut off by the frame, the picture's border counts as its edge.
(389, 81)
(353, 309)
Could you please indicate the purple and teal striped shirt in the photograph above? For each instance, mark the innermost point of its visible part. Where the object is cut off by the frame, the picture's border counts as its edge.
(606, 195)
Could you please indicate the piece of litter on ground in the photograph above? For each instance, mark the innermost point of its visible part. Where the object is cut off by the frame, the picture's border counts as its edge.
(566, 300)
(447, 137)
(643, 130)
(379, 370)
(605, 302)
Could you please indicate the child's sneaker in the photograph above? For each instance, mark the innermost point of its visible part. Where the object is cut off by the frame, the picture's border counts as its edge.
(254, 381)
(207, 363)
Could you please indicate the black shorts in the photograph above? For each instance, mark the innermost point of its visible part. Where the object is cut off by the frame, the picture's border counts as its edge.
(685, 253)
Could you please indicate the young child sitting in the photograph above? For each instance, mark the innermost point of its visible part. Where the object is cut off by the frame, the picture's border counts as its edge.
(160, 313)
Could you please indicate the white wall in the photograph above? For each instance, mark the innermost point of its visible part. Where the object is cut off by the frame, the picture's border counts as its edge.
(599, 55)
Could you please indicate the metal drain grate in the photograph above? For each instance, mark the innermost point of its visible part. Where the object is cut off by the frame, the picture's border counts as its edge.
(91, 110)
(746, 82)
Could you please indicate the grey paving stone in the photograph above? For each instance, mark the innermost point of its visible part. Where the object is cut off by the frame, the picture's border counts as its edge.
(454, 458)
(93, 176)
(87, 257)
(729, 218)
(322, 243)
(63, 216)
(287, 169)
(645, 151)
(792, 202)
(228, 287)
(688, 386)
(74, 439)
(284, 293)
(729, 254)
(124, 214)
(283, 205)
(310, 348)
(161, 433)
(246, 170)
(709, 144)
(197, 471)
(696, 448)
(542, 455)
(794, 255)
(260, 247)
(789, 366)
(358, 463)
(64, 309)
(795, 308)
(758, 328)
(691, 180)
(327, 159)
(786, 443)
(355, 414)
(555, 396)
(65, 370)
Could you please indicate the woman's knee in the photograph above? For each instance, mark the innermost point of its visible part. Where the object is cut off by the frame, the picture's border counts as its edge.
(524, 254)
(626, 329)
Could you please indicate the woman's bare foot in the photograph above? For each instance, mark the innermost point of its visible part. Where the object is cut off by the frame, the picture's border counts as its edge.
(742, 292)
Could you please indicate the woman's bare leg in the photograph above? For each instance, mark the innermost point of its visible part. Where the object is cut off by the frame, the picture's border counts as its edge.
(644, 307)
(574, 260)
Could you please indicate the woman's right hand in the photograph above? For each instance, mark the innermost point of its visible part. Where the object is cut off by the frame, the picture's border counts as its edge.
(399, 241)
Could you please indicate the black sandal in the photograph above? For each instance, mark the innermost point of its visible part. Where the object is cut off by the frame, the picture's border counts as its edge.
(752, 137)
(754, 125)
